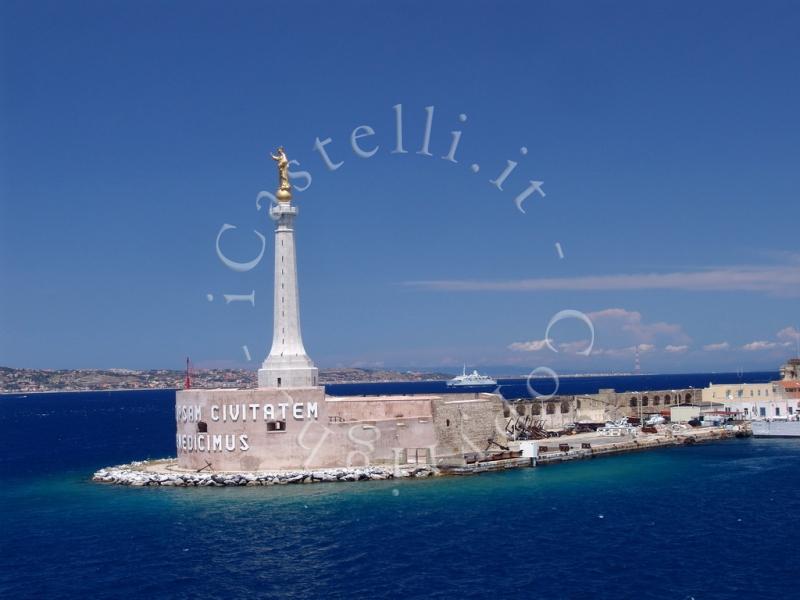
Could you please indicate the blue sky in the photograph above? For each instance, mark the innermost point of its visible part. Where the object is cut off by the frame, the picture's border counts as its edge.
(666, 135)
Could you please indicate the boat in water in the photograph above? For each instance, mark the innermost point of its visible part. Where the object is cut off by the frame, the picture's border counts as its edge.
(776, 428)
(473, 379)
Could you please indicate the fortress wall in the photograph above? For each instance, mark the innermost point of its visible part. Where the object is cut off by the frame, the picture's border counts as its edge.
(652, 401)
(364, 408)
(241, 430)
(269, 429)
(380, 442)
(555, 413)
(607, 404)
(466, 426)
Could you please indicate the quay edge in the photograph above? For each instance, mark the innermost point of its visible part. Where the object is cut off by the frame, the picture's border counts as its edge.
(165, 472)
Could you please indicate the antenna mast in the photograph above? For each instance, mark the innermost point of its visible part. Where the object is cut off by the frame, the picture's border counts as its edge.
(187, 384)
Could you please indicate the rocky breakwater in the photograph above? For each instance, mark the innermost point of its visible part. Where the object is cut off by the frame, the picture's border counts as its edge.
(148, 474)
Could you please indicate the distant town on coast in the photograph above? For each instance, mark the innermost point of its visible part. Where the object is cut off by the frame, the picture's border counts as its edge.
(14, 380)
(66, 380)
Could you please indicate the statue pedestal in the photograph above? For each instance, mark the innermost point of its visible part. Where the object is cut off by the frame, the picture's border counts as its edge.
(287, 372)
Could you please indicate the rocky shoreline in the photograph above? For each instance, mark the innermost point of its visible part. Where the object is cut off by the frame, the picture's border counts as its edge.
(147, 474)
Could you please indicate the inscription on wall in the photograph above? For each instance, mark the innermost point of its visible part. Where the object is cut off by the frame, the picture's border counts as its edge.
(203, 441)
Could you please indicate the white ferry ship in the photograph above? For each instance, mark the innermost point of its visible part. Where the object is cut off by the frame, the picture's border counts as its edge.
(473, 379)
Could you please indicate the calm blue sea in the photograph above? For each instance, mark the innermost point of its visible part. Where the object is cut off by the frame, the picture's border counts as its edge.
(518, 388)
(713, 521)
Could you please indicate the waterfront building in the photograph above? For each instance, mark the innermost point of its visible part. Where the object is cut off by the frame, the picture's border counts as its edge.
(644, 403)
(774, 407)
(790, 371)
(780, 420)
(558, 412)
(740, 392)
(789, 384)
(683, 413)
(755, 401)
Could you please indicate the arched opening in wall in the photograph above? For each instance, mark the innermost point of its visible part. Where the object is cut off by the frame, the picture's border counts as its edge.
(536, 409)
(551, 408)
(202, 427)
(448, 422)
(667, 399)
(634, 402)
(520, 408)
(656, 400)
(506, 411)
(645, 401)
(564, 407)
(688, 397)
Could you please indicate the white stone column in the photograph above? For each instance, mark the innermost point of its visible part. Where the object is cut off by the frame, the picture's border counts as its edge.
(287, 365)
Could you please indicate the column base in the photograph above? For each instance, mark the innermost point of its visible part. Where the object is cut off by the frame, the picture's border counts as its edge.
(288, 377)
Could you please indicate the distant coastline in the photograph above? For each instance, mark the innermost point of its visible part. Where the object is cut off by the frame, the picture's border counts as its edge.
(32, 381)
(43, 381)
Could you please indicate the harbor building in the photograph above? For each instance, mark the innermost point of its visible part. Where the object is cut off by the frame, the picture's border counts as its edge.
(789, 385)
(607, 404)
(289, 422)
(740, 392)
(756, 401)
(683, 413)
(644, 403)
(574, 412)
